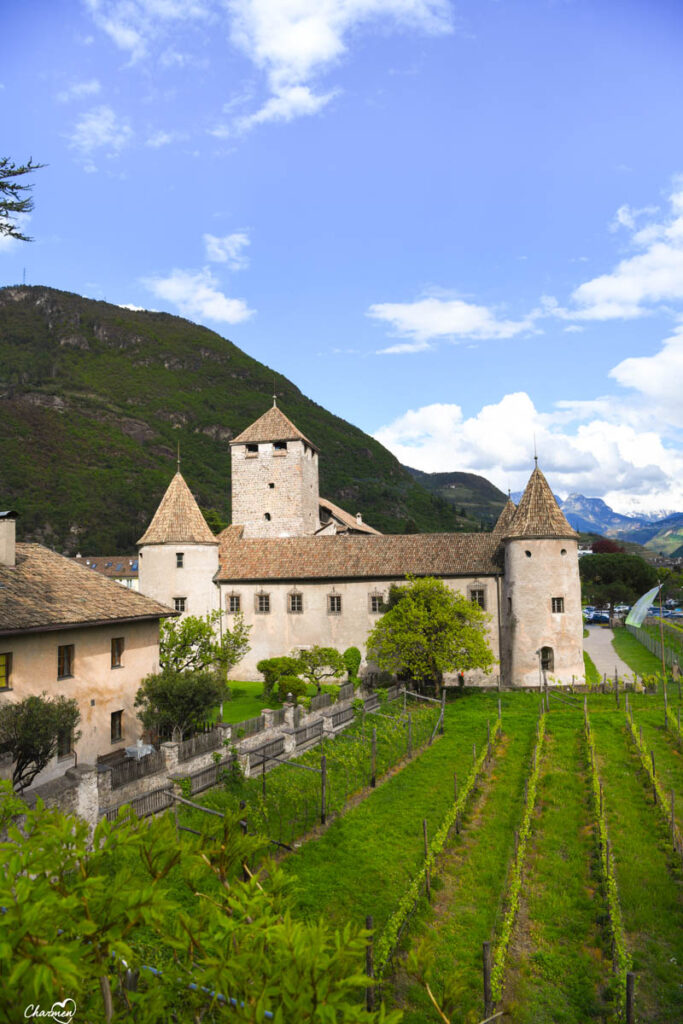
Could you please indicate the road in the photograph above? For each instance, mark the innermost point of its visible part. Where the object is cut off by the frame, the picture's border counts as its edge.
(598, 644)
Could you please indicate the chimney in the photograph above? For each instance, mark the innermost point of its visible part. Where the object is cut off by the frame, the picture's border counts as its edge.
(8, 537)
(359, 518)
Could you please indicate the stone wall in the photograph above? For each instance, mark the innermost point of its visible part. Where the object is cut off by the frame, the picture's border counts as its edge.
(275, 492)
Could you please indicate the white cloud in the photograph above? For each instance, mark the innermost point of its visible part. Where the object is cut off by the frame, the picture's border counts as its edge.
(79, 90)
(293, 41)
(430, 318)
(228, 249)
(100, 128)
(586, 447)
(640, 282)
(657, 378)
(133, 25)
(198, 296)
(162, 138)
(626, 216)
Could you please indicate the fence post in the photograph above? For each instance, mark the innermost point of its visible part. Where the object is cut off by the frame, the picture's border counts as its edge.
(369, 967)
(630, 979)
(654, 784)
(443, 711)
(500, 711)
(410, 735)
(373, 774)
(601, 799)
(263, 777)
(323, 789)
(488, 1001)
(427, 877)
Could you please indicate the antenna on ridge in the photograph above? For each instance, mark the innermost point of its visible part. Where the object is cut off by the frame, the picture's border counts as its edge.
(178, 457)
(535, 451)
(274, 395)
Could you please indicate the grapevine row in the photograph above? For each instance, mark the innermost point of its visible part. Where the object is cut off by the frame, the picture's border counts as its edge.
(660, 796)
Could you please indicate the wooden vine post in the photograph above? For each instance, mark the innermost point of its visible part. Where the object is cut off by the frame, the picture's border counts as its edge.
(369, 967)
(410, 735)
(428, 881)
(630, 984)
(488, 998)
(654, 779)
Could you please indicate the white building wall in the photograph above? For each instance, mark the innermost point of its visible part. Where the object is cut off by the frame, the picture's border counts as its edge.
(275, 493)
(98, 688)
(279, 631)
(161, 579)
(536, 571)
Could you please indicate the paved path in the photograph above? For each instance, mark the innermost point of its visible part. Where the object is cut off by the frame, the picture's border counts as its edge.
(598, 644)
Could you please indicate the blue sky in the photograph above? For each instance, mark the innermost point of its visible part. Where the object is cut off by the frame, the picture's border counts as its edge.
(457, 225)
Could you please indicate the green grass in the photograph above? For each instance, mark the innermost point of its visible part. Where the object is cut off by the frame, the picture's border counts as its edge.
(475, 867)
(637, 657)
(668, 758)
(561, 968)
(247, 701)
(592, 674)
(648, 879)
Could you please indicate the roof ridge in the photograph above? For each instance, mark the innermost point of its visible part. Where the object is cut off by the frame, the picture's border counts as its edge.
(273, 425)
(178, 519)
(538, 514)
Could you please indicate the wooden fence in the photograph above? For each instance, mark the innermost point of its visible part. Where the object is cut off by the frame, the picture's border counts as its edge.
(210, 776)
(279, 716)
(262, 755)
(321, 700)
(654, 646)
(346, 691)
(372, 702)
(249, 727)
(340, 718)
(307, 733)
(131, 769)
(149, 803)
(199, 744)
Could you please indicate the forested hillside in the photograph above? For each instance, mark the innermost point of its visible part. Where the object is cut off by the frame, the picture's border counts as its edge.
(95, 398)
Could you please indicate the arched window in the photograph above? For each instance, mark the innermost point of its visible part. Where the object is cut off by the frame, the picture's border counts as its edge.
(547, 659)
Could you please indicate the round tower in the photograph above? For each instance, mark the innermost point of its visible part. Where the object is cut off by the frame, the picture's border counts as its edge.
(541, 615)
(275, 491)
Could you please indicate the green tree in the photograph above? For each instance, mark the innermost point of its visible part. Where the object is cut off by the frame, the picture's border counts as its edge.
(319, 663)
(611, 578)
(15, 198)
(232, 645)
(177, 701)
(29, 732)
(352, 659)
(188, 644)
(273, 669)
(430, 630)
(78, 913)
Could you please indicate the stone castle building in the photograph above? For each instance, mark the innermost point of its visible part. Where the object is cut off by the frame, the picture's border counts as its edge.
(303, 571)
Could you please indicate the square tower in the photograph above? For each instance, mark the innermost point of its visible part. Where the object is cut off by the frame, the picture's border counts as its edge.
(275, 491)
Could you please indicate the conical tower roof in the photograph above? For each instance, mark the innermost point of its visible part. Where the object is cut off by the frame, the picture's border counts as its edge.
(272, 426)
(505, 519)
(178, 519)
(538, 514)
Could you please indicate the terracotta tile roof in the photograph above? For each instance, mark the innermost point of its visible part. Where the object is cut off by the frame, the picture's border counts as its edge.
(272, 426)
(178, 519)
(348, 555)
(538, 514)
(345, 518)
(504, 519)
(113, 566)
(45, 590)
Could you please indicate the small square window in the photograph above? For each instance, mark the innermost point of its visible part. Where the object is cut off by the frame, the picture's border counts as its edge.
(234, 603)
(65, 661)
(179, 603)
(117, 646)
(65, 743)
(478, 596)
(334, 604)
(376, 603)
(6, 671)
(279, 447)
(116, 726)
(296, 603)
(179, 559)
(558, 604)
(263, 604)
(252, 451)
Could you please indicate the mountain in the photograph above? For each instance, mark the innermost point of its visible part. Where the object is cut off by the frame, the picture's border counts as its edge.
(95, 399)
(471, 494)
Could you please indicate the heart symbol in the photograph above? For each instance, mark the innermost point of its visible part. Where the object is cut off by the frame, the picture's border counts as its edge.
(63, 1012)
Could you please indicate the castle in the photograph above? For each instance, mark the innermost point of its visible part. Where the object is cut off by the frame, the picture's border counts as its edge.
(303, 571)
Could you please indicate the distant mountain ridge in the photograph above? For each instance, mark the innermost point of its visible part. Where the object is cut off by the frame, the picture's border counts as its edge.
(96, 398)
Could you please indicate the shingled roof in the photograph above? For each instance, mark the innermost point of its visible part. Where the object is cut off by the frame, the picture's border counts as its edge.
(505, 519)
(345, 518)
(272, 426)
(178, 519)
(538, 514)
(44, 590)
(350, 556)
(114, 566)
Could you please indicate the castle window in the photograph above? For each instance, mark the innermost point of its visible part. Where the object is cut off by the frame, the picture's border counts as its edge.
(478, 596)
(6, 671)
(116, 726)
(179, 559)
(65, 743)
(547, 659)
(65, 661)
(272, 486)
(558, 604)
(262, 604)
(266, 516)
(376, 603)
(234, 603)
(563, 552)
(279, 447)
(528, 554)
(295, 603)
(509, 606)
(117, 645)
(252, 451)
(179, 603)
(334, 604)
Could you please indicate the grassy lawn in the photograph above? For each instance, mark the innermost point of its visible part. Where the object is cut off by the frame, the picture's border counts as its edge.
(592, 675)
(468, 907)
(637, 657)
(648, 879)
(560, 967)
(247, 700)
